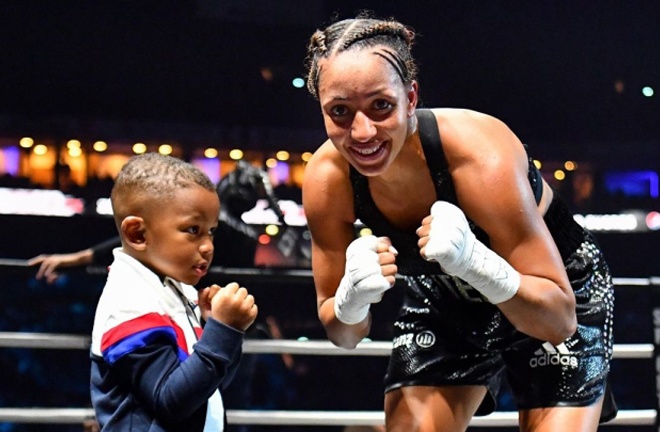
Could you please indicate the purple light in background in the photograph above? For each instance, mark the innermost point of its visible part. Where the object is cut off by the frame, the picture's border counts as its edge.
(211, 167)
(281, 172)
(11, 159)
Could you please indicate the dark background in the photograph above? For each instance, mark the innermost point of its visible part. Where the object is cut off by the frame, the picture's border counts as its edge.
(192, 69)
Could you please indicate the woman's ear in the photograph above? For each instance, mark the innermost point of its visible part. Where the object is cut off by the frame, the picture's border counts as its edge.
(413, 94)
(132, 230)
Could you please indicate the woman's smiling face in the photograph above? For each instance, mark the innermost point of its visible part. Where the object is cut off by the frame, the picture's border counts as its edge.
(366, 107)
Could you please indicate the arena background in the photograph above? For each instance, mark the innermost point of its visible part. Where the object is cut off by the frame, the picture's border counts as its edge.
(574, 80)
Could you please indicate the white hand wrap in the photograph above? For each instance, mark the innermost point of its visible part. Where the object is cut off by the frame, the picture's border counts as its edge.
(363, 282)
(454, 246)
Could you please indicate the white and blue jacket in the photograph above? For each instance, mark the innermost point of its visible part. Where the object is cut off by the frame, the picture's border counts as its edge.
(153, 368)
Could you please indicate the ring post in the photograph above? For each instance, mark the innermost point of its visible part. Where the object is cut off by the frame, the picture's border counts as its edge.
(655, 301)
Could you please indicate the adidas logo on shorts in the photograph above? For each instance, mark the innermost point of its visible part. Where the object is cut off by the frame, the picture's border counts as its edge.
(550, 355)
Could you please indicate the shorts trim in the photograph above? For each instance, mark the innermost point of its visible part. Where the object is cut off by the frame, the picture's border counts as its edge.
(487, 406)
(608, 412)
(426, 383)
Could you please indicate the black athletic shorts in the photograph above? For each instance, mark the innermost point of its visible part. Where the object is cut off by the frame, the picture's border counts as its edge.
(448, 334)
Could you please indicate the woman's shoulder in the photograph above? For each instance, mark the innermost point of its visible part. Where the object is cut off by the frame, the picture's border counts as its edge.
(469, 135)
(326, 162)
(326, 170)
(327, 189)
(466, 124)
(462, 115)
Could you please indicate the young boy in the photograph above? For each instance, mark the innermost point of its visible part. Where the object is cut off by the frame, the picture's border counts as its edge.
(152, 366)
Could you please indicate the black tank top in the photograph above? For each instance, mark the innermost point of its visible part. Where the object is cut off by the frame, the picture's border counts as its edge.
(409, 261)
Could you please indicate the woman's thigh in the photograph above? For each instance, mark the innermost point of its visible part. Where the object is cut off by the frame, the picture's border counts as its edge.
(431, 409)
(562, 418)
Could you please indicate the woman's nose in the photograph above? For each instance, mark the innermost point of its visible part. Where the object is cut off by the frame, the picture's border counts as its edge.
(363, 128)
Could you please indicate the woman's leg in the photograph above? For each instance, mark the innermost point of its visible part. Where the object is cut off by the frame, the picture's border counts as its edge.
(574, 419)
(431, 409)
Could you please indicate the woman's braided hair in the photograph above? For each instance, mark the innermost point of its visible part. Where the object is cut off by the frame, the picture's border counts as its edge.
(359, 33)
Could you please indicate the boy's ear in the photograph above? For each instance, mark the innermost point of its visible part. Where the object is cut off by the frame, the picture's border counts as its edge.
(132, 230)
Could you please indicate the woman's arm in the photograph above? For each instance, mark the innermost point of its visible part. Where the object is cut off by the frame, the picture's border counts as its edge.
(328, 204)
(489, 167)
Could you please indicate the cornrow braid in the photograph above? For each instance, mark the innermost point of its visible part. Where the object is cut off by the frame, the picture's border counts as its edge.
(361, 33)
(396, 62)
(385, 28)
(316, 49)
(317, 42)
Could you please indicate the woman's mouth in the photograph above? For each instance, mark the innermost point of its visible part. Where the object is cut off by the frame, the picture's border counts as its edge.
(368, 152)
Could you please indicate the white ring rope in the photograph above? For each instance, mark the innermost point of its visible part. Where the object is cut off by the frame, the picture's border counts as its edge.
(44, 340)
(280, 346)
(270, 273)
(274, 417)
(644, 417)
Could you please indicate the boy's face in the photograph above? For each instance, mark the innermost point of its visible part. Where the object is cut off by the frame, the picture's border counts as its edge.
(179, 234)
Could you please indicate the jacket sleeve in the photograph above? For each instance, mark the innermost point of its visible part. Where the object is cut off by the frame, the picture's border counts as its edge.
(175, 389)
(232, 367)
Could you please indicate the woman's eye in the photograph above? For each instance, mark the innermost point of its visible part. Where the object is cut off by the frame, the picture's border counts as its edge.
(382, 104)
(339, 111)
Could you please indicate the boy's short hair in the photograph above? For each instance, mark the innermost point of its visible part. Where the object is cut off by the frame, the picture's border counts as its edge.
(152, 177)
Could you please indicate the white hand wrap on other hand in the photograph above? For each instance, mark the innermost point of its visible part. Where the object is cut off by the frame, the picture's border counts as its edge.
(454, 246)
(363, 282)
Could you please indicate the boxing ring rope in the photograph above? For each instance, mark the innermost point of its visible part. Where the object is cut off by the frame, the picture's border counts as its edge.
(298, 418)
(638, 417)
(288, 417)
(281, 346)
